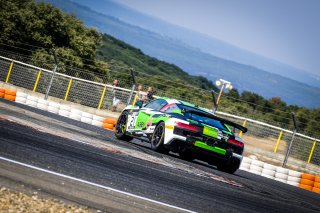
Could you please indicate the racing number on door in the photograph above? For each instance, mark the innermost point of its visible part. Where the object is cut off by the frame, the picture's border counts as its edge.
(132, 121)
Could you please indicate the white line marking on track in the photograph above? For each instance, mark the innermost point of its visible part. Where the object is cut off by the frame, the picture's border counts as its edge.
(95, 184)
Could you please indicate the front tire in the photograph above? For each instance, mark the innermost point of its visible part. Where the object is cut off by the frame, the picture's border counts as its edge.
(121, 127)
(157, 138)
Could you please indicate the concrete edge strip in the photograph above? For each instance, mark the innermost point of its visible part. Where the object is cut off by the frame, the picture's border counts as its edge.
(94, 184)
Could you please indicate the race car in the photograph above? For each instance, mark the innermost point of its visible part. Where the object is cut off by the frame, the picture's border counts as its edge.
(186, 129)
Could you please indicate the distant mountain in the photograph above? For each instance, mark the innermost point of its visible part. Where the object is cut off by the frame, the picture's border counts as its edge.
(205, 43)
(194, 61)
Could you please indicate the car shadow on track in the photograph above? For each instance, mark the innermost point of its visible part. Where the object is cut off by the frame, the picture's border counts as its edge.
(146, 148)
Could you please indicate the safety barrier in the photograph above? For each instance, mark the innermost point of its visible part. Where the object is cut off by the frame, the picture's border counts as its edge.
(310, 182)
(56, 108)
(109, 123)
(305, 181)
(8, 94)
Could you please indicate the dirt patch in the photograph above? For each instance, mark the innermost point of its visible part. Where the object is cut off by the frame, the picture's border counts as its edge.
(11, 201)
(266, 144)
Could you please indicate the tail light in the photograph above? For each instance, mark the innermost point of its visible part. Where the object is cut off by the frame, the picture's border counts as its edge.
(235, 142)
(187, 127)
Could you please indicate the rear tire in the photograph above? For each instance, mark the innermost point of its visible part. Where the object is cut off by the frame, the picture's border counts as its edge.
(158, 138)
(121, 127)
(230, 166)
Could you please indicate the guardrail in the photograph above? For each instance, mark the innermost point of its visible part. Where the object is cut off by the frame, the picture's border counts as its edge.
(267, 140)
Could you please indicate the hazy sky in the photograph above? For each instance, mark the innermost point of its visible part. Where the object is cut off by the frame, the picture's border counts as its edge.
(285, 30)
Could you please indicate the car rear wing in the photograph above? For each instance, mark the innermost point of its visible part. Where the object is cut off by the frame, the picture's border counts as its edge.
(209, 115)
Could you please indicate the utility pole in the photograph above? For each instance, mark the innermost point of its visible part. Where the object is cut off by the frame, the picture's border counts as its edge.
(292, 139)
(215, 105)
(224, 84)
(52, 75)
(133, 77)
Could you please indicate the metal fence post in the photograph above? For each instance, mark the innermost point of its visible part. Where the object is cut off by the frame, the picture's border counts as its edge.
(278, 142)
(102, 96)
(244, 125)
(215, 105)
(131, 93)
(9, 72)
(291, 142)
(68, 89)
(134, 100)
(312, 150)
(218, 99)
(37, 81)
(52, 75)
(133, 77)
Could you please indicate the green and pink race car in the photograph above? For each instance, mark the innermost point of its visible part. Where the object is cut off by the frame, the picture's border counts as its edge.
(184, 128)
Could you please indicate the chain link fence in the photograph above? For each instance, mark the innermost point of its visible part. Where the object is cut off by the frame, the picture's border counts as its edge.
(272, 142)
(96, 90)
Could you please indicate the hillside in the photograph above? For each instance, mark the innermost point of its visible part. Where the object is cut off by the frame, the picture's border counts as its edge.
(119, 54)
(205, 43)
(196, 62)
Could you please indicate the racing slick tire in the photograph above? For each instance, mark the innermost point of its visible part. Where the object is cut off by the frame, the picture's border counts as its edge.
(120, 127)
(158, 138)
(230, 166)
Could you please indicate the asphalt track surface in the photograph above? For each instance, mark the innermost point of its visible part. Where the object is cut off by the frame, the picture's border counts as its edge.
(109, 167)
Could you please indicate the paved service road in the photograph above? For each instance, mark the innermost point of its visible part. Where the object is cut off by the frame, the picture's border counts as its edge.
(114, 175)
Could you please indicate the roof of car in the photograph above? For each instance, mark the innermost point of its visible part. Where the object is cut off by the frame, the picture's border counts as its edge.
(172, 101)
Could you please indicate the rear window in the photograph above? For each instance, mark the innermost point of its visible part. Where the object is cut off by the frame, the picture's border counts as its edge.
(203, 119)
(170, 108)
(156, 104)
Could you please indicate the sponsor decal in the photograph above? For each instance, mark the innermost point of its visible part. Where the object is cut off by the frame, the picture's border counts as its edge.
(210, 148)
(140, 124)
(150, 129)
(212, 132)
(132, 121)
(169, 127)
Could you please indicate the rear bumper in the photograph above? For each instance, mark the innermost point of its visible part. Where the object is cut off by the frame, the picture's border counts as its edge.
(202, 150)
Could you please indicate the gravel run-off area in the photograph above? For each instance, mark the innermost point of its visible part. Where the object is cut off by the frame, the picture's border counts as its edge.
(11, 201)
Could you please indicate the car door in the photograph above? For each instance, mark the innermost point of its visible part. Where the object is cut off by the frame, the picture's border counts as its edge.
(138, 120)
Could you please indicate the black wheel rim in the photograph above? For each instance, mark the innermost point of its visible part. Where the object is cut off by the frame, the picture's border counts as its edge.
(157, 136)
(121, 124)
